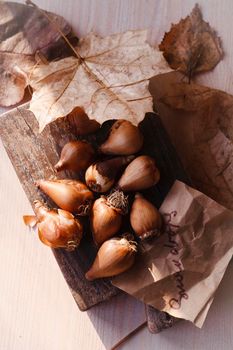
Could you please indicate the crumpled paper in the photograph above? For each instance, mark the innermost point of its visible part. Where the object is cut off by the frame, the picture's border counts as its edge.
(180, 271)
(199, 121)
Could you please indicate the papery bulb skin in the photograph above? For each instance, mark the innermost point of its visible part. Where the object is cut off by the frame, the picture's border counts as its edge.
(101, 176)
(58, 228)
(140, 174)
(124, 139)
(75, 156)
(71, 195)
(105, 221)
(30, 220)
(115, 256)
(145, 218)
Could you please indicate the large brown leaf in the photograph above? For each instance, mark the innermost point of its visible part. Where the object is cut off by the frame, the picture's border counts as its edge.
(192, 46)
(108, 79)
(23, 32)
(199, 121)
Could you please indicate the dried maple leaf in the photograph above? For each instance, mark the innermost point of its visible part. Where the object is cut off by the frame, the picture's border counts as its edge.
(24, 32)
(109, 80)
(192, 46)
(199, 121)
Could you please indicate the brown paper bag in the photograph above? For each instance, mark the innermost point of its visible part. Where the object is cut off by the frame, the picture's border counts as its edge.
(179, 272)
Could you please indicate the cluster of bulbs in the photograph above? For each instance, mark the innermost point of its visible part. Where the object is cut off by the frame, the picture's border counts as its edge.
(62, 228)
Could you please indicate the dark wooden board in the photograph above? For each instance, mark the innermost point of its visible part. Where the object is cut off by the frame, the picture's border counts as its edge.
(158, 321)
(33, 156)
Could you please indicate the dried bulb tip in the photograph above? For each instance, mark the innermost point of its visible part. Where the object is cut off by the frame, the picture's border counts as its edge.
(128, 238)
(118, 200)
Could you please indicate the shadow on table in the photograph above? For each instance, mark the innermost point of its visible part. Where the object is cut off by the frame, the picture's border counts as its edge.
(115, 318)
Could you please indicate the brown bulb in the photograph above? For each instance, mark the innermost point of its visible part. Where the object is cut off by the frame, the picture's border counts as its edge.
(56, 228)
(114, 257)
(145, 218)
(124, 139)
(70, 195)
(105, 221)
(80, 122)
(75, 156)
(101, 176)
(140, 174)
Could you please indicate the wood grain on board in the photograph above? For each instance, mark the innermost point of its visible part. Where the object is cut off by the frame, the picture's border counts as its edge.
(33, 156)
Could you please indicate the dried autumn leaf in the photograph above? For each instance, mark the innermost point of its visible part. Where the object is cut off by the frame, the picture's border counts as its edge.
(110, 81)
(24, 32)
(192, 46)
(199, 121)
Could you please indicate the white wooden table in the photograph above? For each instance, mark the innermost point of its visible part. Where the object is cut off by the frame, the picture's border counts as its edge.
(37, 310)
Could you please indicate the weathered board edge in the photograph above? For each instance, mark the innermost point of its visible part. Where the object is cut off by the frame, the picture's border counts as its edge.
(19, 134)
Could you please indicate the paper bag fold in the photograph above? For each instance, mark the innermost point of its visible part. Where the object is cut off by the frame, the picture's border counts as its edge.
(179, 272)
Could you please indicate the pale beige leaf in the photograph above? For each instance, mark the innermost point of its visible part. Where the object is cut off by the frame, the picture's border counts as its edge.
(110, 83)
(24, 31)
